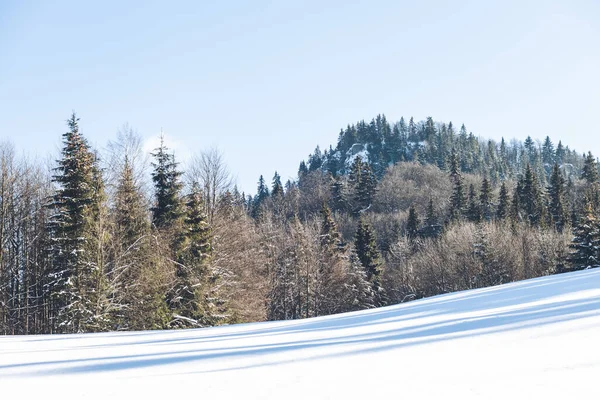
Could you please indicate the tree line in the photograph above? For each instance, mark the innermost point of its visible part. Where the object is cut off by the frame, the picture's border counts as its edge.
(112, 240)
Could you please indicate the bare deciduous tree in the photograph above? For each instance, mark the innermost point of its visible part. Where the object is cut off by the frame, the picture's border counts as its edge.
(209, 171)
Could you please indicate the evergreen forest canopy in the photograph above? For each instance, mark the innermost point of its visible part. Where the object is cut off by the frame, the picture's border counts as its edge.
(116, 241)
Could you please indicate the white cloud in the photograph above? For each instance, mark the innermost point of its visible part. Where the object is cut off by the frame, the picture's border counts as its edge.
(152, 143)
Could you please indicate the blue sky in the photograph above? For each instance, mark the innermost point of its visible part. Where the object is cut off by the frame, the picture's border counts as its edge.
(266, 81)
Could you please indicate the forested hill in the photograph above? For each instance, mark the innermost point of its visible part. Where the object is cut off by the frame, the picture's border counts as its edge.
(395, 212)
(381, 144)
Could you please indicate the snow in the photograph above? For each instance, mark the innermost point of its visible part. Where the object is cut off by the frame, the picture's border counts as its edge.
(357, 150)
(527, 340)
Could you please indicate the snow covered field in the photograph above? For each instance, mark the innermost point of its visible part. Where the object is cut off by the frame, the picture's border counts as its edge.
(537, 339)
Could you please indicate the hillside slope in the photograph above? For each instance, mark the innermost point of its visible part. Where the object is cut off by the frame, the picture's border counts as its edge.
(530, 339)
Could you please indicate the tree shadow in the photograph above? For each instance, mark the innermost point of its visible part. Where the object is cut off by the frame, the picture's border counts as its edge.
(459, 315)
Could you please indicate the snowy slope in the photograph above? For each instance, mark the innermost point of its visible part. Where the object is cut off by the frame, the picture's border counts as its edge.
(528, 340)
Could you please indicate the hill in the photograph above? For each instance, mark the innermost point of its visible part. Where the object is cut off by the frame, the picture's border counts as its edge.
(530, 339)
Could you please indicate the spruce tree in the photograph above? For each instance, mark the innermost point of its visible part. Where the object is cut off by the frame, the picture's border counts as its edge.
(302, 170)
(363, 184)
(530, 199)
(556, 191)
(485, 200)
(473, 210)
(339, 197)
(503, 210)
(166, 178)
(548, 153)
(138, 287)
(370, 259)
(328, 281)
(277, 187)
(457, 199)
(560, 153)
(412, 223)
(431, 226)
(585, 245)
(262, 194)
(331, 239)
(590, 169)
(358, 293)
(74, 282)
(430, 216)
(195, 297)
(590, 176)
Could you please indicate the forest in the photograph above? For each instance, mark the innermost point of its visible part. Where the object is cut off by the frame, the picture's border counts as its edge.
(117, 239)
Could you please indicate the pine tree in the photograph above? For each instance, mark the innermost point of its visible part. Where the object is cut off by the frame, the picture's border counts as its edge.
(137, 285)
(590, 176)
(590, 169)
(262, 194)
(430, 216)
(432, 227)
(473, 210)
(586, 242)
(412, 131)
(358, 292)
(166, 177)
(457, 199)
(363, 184)
(530, 149)
(129, 209)
(302, 170)
(454, 166)
(503, 210)
(194, 297)
(328, 281)
(412, 223)
(277, 187)
(528, 198)
(74, 282)
(370, 259)
(331, 239)
(339, 197)
(548, 153)
(556, 192)
(560, 153)
(485, 200)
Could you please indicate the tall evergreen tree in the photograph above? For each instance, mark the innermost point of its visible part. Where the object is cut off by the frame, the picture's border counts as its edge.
(485, 200)
(194, 297)
(277, 187)
(548, 152)
(590, 176)
(331, 239)
(457, 199)
(137, 287)
(74, 282)
(585, 245)
(368, 254)
(430, 216)
(590, 169)
(262, 194)
(412, 223)
(339, 196)
(560, 153)
(166, 177)
(503, 210)
(531, 197)
(473, 209)
(431, 224)
(557, 207)
(363, 184)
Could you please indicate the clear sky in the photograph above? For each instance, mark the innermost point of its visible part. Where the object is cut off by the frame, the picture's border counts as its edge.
(266, 81)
